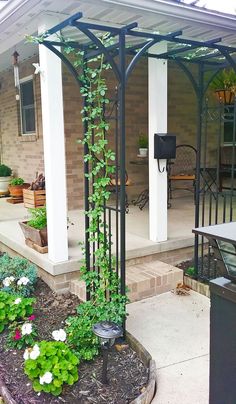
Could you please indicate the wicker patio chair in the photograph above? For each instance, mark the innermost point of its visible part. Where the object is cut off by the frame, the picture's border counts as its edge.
(182, 169)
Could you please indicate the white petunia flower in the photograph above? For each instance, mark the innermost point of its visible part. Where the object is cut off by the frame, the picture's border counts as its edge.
(23, 281)
(26, 329)
(35, 352)
(59, 335)
(17, 301)
(8, 280)
(46, 378)
(26, 355)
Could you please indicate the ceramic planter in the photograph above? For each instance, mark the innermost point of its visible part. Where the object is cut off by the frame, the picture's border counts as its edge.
(143, 152)
(4, 184)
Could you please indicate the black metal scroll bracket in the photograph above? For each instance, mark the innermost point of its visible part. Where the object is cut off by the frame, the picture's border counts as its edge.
(159, 168)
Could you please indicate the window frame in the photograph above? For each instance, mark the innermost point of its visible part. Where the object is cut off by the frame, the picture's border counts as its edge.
(22, 116)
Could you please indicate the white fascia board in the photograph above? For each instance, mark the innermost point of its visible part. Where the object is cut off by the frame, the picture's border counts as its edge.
(181, 11)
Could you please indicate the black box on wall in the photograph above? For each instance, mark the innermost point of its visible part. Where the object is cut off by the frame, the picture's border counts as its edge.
(164, 146)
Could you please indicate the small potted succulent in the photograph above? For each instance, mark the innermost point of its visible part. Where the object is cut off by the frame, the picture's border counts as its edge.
(5, 177)
(143, 145)
(224, 85)
(16, 187)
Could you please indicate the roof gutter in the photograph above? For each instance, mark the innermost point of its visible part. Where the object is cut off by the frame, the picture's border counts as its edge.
(182, 11)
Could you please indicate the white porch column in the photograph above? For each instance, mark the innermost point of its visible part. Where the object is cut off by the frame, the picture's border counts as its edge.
(157, 95)
(54, 148)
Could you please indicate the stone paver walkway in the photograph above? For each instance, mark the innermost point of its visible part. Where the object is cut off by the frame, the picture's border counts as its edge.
(175, 330)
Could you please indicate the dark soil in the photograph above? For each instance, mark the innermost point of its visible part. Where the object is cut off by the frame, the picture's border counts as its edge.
(127, 375)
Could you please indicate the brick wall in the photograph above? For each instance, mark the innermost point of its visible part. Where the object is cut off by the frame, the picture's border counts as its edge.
(25, 154)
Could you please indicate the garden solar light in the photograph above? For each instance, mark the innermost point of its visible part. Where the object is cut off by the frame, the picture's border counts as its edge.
(107, 331)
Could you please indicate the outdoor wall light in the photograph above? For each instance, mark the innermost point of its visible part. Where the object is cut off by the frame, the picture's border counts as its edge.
(107, 331)
(222, 238)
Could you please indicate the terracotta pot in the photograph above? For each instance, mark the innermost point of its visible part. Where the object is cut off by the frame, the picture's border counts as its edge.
(39, 237)
(16, 191)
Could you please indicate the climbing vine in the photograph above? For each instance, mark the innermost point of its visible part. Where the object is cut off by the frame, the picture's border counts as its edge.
(106, 301)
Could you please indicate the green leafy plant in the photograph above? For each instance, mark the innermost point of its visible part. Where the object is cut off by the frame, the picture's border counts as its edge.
(17, 275)
(53, 365)
(13, 307)
(79, 328)
(5, 171)
(21, 334)
(143, 141)
(38, 218)
(191, 271)
(224, 80)
(17, 181)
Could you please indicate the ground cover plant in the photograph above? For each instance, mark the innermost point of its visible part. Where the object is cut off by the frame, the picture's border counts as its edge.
(13, 307)
(127, 375)
(17, 275)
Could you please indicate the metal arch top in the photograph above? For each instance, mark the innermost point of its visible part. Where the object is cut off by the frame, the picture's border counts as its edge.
(183, 53)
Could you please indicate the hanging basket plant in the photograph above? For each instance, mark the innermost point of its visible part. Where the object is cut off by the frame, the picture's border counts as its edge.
(224, 86)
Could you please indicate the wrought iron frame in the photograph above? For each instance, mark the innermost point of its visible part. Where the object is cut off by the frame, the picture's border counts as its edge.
(116, 55)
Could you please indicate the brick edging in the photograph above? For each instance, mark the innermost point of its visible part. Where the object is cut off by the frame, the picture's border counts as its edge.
(197, 286)
(147, 396)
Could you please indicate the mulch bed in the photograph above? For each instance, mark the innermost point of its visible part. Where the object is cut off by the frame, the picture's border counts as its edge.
(127, 374)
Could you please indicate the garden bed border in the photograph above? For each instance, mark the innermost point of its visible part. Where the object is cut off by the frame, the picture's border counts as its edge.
(145, 398)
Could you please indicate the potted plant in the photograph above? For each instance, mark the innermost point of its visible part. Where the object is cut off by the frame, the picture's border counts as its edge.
(143, 145)
(5, 177)
(35, 194)
(35, 229)
(224, 85)
(16, 187)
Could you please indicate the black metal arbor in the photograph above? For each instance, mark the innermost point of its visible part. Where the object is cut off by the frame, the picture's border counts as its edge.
(209, 57)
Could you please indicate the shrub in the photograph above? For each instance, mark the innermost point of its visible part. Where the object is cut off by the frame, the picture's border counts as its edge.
(13, 307)
(38, 218)
(79, 328)
(49, 365)
(17, 275)
(17, 181)
(191, 271)
(5, 171)
(22, 335)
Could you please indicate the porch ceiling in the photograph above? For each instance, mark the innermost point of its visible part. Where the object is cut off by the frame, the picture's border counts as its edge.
(151, 15)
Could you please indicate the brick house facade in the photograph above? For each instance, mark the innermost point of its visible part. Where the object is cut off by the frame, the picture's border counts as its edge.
(24, 154)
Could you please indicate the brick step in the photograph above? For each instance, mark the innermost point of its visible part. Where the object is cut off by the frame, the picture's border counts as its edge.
(143, 280)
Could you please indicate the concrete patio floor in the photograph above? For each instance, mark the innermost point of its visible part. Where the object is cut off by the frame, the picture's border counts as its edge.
(181, 221)
(175, 330)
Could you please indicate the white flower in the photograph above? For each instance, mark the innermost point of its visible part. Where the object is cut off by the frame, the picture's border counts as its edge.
(8, 280)
(23, 281)
(46, 378)
(59, 335)
(26, 355)
(35, 352)
(26, 329)
(17, 301)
